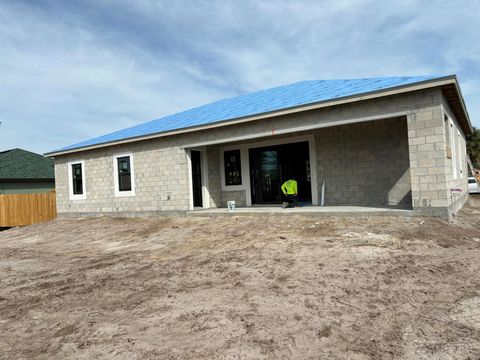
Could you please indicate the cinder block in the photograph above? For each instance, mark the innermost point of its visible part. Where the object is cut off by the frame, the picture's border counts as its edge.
(425, 132)
(437, 171)
(434, 138)
(417, 141)
(413, 125)
(439, 202)
(425, 147)
(424, 115)
(426, 163)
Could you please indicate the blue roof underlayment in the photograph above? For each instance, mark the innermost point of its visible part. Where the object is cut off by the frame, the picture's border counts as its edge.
(259, 102)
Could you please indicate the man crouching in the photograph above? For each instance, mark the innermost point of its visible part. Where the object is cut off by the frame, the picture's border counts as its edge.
(289, 189)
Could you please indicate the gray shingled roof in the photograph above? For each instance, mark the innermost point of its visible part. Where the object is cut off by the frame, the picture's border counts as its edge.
(21, 164)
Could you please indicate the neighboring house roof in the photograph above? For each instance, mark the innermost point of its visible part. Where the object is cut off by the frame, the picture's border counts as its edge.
(269, 101)
(18, 164)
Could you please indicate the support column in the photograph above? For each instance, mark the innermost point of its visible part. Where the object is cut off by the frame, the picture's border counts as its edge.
(428, 162)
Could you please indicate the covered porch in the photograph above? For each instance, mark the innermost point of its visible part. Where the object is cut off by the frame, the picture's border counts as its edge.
(350, 169)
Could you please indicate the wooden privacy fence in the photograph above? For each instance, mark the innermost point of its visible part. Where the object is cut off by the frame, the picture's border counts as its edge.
(25, 209)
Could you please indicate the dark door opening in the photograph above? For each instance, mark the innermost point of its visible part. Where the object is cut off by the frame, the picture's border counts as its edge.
(196, 178)
(271, 166)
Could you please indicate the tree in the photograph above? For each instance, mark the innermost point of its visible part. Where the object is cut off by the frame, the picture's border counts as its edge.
(473, 147)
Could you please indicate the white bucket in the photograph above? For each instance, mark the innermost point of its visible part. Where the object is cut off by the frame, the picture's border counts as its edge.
(231, 206)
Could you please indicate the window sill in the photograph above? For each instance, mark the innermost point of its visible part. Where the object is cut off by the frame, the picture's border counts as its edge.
(78, 197)
(124, 193)
(233, 188)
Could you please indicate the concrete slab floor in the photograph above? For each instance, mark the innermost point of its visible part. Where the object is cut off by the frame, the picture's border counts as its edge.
(345, 211)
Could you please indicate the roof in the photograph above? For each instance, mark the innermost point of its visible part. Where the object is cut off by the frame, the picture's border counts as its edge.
(260, 102)
(18, 164)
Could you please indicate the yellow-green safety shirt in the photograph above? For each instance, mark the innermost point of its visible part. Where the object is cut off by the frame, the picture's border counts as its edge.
(289, 187)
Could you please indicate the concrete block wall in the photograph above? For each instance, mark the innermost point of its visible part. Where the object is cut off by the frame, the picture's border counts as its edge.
(365, 164)
(161, 180)
(431, 169)
(427, 160)
(214, 183)
(238, 196)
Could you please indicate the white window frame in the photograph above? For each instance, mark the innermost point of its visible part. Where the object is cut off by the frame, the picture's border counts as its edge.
(244, 168)
(454, 148)
(460, 155)
(222, 177)
(70, 180)
(119, 193)
(204, 169)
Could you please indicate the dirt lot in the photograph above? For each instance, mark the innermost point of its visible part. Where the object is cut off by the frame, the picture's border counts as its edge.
(242, 288)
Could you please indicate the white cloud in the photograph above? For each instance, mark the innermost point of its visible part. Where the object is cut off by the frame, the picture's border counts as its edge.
(69, 72)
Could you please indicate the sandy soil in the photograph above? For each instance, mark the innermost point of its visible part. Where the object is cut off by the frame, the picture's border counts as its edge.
(242, 288)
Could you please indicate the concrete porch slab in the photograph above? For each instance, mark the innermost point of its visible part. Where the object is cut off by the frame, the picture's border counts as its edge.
(343, 211)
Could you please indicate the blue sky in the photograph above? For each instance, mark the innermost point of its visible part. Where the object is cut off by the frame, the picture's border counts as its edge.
(73, 70)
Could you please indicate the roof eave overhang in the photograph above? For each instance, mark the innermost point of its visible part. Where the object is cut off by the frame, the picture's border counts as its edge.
(438, 82)
(453, 94)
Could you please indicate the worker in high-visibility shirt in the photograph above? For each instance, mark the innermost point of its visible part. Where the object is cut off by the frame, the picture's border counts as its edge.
(289, 189)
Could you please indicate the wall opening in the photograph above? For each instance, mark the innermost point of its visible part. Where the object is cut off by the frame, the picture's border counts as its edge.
(196, 178)
(271, 166)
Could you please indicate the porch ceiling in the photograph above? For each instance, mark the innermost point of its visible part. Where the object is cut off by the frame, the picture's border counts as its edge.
(299, 129)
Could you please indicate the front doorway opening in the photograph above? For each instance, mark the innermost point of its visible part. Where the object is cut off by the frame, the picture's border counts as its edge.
(271, 166)
(196, 178)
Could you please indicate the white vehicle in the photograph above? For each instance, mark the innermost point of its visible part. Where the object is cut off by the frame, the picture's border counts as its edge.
(472, 186)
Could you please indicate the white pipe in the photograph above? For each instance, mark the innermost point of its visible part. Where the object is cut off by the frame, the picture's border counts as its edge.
(322, 202)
